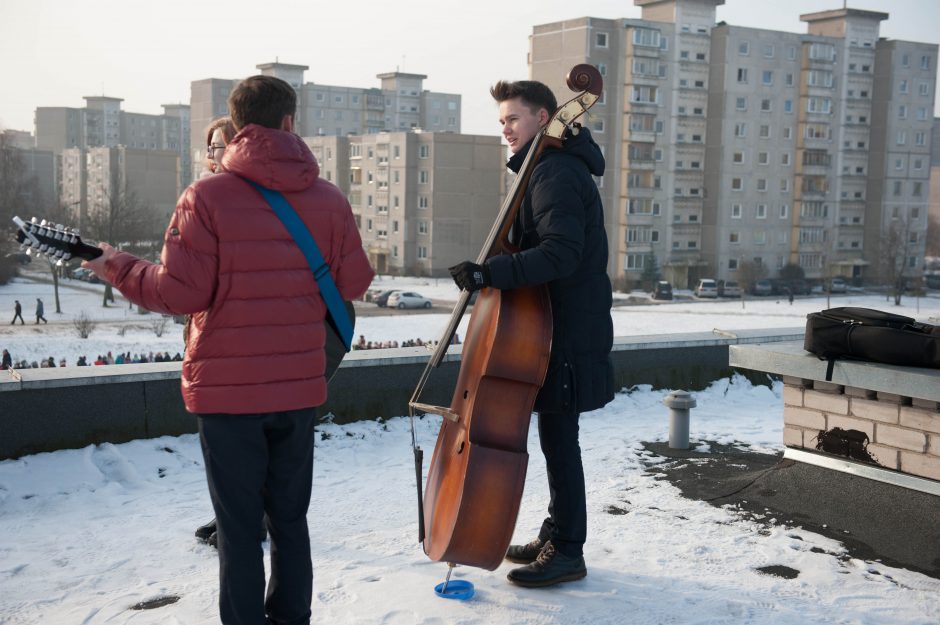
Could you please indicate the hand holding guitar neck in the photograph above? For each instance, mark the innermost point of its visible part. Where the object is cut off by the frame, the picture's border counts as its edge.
(54, 240)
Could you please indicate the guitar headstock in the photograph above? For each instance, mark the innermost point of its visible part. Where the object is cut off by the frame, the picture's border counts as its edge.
(54, 240)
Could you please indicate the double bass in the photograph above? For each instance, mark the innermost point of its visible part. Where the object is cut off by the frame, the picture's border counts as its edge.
(468, 511)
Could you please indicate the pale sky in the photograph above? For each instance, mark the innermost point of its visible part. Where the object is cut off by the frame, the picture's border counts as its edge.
(54, 52)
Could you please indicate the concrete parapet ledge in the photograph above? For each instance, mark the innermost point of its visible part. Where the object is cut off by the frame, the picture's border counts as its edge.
(63, 408)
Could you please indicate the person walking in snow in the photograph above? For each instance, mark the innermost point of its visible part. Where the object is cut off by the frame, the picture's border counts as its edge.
(17, 312)
(39, 312)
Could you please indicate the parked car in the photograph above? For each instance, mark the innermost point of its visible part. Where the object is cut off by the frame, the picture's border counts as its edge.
(838, 285)
(662, 290)
(762, 287)
(706, 287)
(408, 299)
(799, 287)
(381, 299)
(728, 288)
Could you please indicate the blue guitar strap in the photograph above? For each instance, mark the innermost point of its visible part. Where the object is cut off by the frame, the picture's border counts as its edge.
(321, 271)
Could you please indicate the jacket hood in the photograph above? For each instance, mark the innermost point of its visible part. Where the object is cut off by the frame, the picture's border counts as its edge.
(275, 159)
(581, 145)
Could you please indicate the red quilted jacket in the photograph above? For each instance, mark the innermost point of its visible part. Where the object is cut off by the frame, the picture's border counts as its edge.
(257, 334)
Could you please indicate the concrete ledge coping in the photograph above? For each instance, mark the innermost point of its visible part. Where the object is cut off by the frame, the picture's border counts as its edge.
(23, 379)
(790, 359)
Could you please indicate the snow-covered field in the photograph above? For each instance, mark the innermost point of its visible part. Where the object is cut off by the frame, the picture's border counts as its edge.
(86, 534)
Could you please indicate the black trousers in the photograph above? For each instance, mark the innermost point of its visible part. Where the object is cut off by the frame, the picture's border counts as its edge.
(20, 315)
(257, 465)
(566, 524)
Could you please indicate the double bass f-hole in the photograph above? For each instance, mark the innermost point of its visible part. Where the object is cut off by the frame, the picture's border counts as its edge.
(468, 512)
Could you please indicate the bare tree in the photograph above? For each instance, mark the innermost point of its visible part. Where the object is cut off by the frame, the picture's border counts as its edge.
(933, 235)
(895, 248)
(750, 272)
(83, 325)
(158, 325)
(123, 220)
(14, 192)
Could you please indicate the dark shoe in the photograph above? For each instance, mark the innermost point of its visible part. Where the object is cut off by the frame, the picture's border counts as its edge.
(524, 554)
(213, 540)
(551, 567)
(203, 532)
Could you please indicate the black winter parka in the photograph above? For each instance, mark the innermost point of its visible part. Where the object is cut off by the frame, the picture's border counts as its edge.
(560, 232)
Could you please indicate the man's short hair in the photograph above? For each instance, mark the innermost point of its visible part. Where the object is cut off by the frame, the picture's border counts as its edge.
(534, 94)
(262, 100)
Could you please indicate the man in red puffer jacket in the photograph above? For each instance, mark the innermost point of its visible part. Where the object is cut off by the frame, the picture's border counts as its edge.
(255, 360)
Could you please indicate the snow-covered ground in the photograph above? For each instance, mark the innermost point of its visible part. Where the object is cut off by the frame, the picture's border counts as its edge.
(86, 534)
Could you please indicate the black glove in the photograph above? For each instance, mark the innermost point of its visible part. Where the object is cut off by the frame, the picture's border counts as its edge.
(470, 276)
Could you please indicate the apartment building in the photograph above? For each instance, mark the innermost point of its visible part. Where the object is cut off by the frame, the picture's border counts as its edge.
(423, 201)
(93, 177)
(399, 103)
(103, 123)
(731, 148)
(38, 169)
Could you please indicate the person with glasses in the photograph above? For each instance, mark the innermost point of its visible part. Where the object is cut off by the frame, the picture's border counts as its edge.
(218, 135)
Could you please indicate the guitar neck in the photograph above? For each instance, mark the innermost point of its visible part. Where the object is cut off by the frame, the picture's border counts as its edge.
(53, 240)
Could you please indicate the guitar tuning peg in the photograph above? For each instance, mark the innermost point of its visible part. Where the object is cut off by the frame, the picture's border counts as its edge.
(34, 220)
(60, 263)
(29, 251)
(60, 227)
(43, 223)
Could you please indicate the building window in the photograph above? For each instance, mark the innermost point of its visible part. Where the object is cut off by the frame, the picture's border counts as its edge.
(769, 50)
(647, 37)
(736, 211)
(785, 159)
(765, 105)
(761, 184)
(422, 201)
(924, 88)
(784, 185)
(600, 40)
(763, 158)
(767, 77)
(737, 158)
(764, 131)
(737, 184)
(423, 177)
(761, 210)
(784, 211)
(741, 103)
(424, 151)
(740, 129)
(734, 237)
(788, 106)
(744, 48)
(742, 75)
(902, 86)
(925, 62)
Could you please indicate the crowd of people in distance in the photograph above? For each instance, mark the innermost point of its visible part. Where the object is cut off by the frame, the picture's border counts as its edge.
(82, 361)
(362, 343)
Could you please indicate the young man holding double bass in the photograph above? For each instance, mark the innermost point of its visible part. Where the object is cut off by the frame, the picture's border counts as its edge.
(563, 244)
